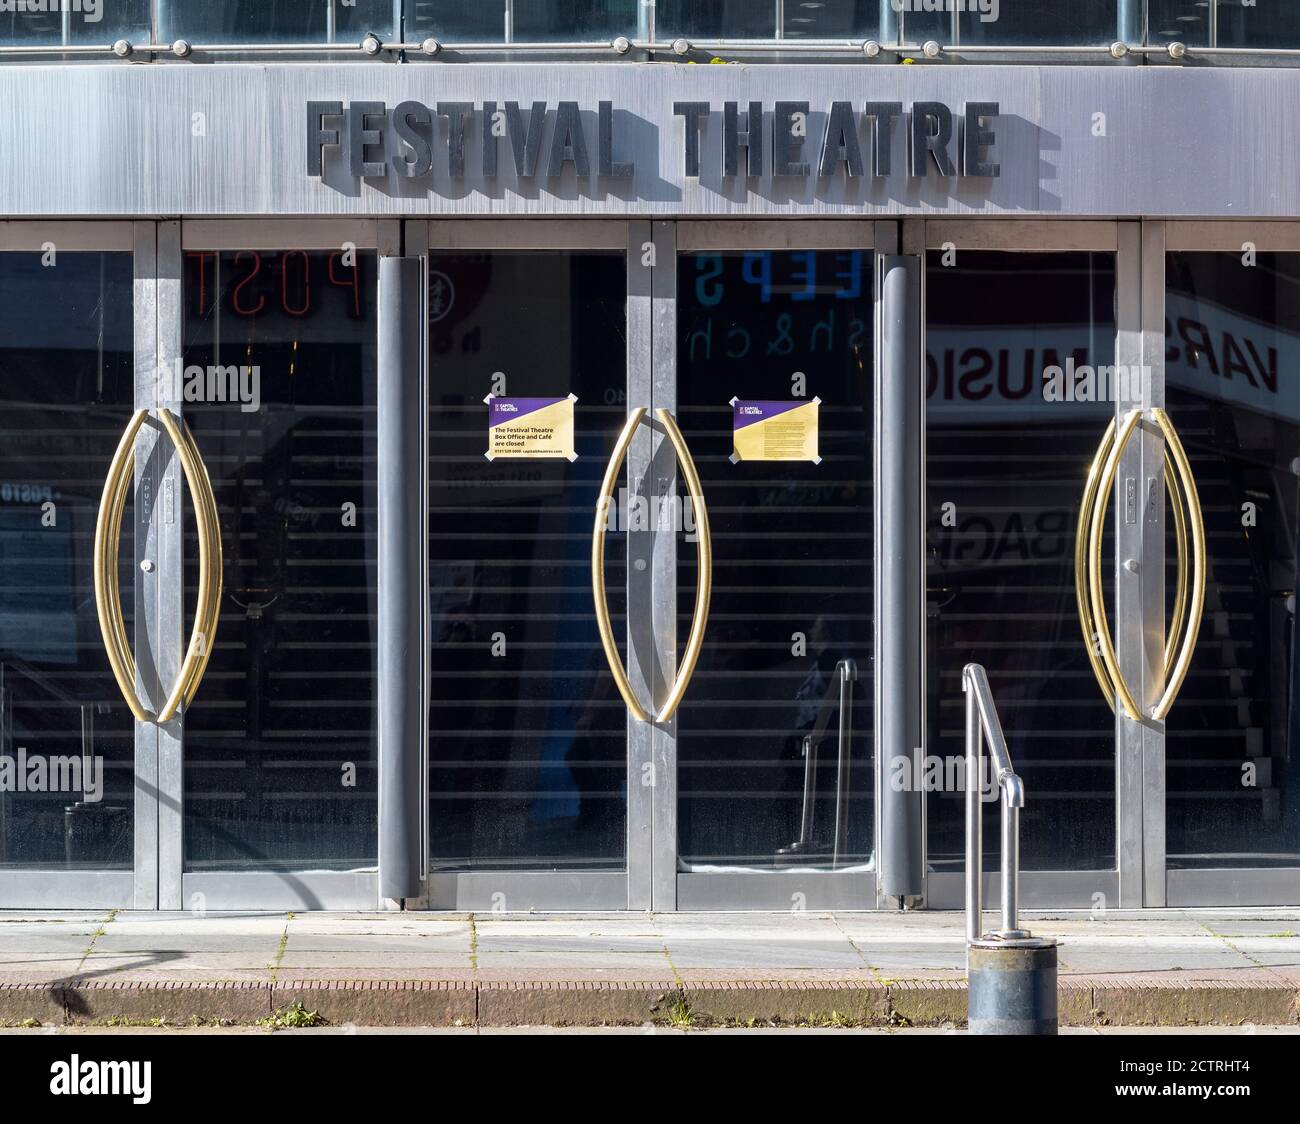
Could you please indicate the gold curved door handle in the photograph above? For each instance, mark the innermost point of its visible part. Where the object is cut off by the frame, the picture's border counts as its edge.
(1081, 595)
(1096, 591)
(108, 597)
(704, 568)
(603, 623)
(1177, 674)
(1089, 589)
(1083, 603)
(208, 608)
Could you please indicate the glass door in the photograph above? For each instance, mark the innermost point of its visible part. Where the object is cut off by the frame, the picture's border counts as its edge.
(273, 388)
(676, 711)
(536, 384)
(768, 616)
(1231, 784)
(76, 662)
(1023, 381)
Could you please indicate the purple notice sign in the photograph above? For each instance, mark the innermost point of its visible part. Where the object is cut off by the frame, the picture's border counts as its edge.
(774, 431)
(530, 427)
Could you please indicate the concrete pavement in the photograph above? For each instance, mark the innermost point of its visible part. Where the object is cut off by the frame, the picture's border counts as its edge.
(1174, 967)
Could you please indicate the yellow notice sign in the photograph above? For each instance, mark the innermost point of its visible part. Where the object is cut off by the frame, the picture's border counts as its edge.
(530, 428)
(774, 431)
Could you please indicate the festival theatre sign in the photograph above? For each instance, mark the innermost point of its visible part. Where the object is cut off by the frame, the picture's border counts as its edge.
(542, 141)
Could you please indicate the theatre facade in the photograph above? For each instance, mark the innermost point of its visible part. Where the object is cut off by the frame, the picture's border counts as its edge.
(450, 469)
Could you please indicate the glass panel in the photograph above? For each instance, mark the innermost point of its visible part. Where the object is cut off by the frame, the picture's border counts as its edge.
(1232, 367)
(1060, 24)
(67, 391)
(528, 754)
(1259, 23)
(825, 19)
(916, 26)
(274, 21)
(758, 748)
(1182, 21)
(484, 22)
(279, 388)
(84, 21)
(716, 19)
(1006, 461)
(535, 21)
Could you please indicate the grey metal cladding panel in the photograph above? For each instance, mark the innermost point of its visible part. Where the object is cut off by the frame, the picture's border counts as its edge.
(1178, 142)
(66, 889)
(120, 140)
(307, 890)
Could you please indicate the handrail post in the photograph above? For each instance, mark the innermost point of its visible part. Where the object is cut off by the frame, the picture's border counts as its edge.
(1010, 863)
(1010, 973)
(974, 822)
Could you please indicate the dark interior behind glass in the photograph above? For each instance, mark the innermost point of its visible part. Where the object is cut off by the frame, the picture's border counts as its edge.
(792, 565)
(1006, 472)
(527, 733)
(1232, 363)
(67, 391)
(280, 740)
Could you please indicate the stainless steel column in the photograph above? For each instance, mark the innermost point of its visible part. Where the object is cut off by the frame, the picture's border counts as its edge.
(148, 635)
(403, 591)
(642, 658)
(661, 470)
(900, 528)
(169, 556)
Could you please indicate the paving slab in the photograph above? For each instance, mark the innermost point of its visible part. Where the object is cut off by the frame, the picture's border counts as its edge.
(398, 964)
(456, 974)
(309, 925)
(502, 941)
(767, 955)
(571, 961)
(39, 939)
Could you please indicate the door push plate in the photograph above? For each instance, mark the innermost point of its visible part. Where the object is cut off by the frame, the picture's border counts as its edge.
(1130, 499)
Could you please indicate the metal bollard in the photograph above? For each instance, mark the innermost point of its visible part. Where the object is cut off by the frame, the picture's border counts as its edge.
(1010, 973)
(1011, 985)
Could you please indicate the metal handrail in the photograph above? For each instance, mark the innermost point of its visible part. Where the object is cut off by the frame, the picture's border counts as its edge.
(982, 723)
(373, 47)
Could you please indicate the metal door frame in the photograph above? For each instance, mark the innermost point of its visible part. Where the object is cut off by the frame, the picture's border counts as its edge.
(135, 887)
(1088, 889)
(739, 889)
(180, 888)
(574, 889)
